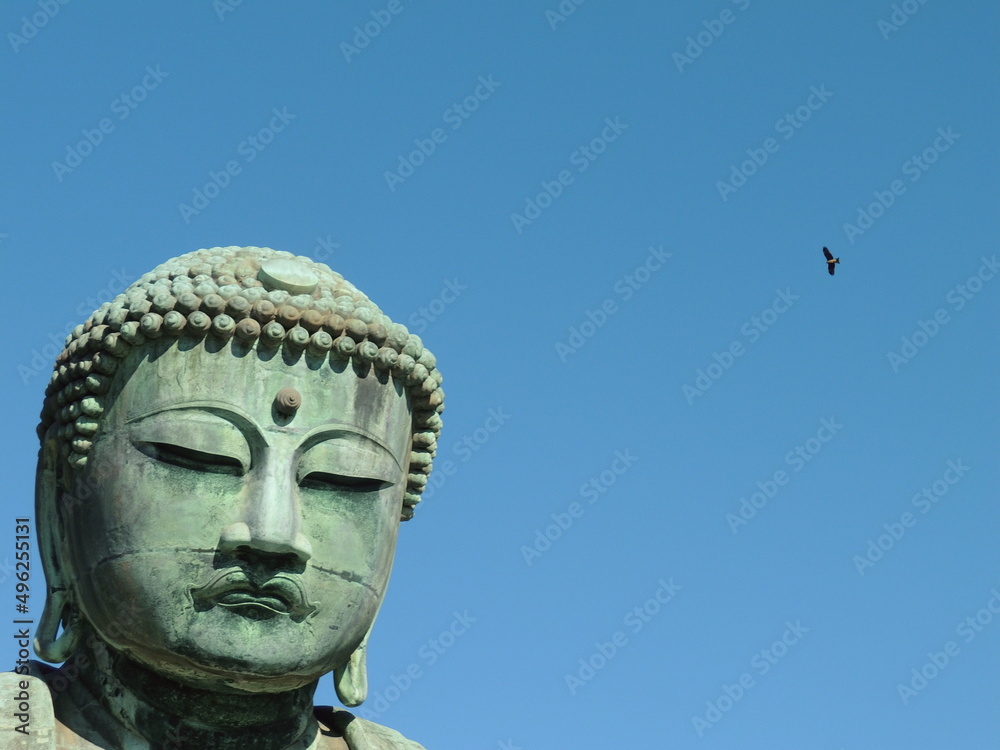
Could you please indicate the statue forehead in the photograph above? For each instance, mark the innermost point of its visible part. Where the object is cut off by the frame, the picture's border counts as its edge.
(167, 378)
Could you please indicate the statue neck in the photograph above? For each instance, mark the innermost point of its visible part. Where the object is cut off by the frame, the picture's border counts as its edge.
(168, 714)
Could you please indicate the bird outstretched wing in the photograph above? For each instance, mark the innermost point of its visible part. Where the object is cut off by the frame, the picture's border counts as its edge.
(830, 267)
(829, 256)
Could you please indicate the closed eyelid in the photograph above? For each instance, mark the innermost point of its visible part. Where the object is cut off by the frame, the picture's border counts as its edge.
(349, 457)
(349, 436)
(324, 481)
(195, 431)
(350, 441)
(191, 458)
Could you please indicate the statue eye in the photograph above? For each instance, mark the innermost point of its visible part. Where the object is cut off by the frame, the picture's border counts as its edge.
(188, 458)
(319, 480)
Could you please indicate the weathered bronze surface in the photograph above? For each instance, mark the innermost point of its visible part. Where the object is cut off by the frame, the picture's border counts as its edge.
(228, 449)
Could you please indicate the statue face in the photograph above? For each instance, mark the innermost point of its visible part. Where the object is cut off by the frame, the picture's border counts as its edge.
(255, 545)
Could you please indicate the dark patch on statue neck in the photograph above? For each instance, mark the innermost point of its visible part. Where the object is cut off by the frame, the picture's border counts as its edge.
(171, 714)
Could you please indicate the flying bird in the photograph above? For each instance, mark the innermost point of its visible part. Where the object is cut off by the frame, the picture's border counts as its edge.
(830, 261)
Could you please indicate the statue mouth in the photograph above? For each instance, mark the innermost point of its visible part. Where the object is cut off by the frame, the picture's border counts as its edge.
(233, 589)
(253, 602)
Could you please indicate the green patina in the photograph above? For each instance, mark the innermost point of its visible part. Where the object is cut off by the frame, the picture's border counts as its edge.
(228, 448)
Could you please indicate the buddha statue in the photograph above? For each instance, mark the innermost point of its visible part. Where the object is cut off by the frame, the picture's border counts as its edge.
(227, 450)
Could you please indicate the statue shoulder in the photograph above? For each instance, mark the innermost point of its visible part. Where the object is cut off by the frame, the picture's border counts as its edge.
(362, 734)
(26, 721)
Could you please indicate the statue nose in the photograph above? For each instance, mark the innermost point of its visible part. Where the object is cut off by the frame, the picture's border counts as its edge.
(271, 523)
(239, 537)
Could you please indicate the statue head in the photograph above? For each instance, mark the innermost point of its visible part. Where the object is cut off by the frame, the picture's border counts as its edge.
(229, 446)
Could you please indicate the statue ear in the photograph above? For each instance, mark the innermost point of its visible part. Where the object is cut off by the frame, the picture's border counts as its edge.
(351, 680)
(59, 606)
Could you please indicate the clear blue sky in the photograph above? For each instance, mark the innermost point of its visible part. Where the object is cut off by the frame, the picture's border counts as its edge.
(590, 139)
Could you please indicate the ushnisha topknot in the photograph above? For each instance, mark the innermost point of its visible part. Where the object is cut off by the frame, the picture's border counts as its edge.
(262, 297)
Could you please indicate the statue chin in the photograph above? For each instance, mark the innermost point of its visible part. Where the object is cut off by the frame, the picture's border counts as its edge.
(227, 674)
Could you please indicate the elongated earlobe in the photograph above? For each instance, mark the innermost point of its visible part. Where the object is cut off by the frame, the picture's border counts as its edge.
(59, 610)
(351, 680)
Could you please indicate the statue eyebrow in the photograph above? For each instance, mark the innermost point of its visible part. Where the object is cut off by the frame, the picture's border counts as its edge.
(235, 416)
(327, 431)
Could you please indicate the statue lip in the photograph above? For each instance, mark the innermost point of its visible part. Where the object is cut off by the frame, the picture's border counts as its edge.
(239, 597)
(233, 589)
